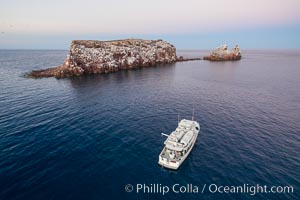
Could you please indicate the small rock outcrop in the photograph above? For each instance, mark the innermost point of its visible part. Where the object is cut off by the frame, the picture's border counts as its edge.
(96, 57)
(223, 54)
(181, 59)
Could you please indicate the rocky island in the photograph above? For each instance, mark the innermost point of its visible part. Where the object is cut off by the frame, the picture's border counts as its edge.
(96, 57)
(223, 54)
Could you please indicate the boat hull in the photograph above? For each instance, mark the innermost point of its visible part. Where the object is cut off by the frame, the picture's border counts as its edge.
(175, 165)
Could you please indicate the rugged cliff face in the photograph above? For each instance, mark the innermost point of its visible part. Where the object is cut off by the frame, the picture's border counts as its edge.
(95, 57)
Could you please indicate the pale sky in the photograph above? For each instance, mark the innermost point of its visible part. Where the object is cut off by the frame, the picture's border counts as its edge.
(195, 24)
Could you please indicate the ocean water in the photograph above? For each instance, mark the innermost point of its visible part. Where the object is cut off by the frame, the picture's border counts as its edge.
(88, 137)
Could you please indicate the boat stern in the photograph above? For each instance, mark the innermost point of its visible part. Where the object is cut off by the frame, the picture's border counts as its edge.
(170, 164)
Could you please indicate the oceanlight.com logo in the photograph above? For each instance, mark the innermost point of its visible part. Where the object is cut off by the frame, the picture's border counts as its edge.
(177, 188)
(250, 189)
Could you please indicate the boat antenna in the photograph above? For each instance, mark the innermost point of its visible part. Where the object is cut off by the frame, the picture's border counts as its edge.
(193, 114)
(178, 118)
(163, 134)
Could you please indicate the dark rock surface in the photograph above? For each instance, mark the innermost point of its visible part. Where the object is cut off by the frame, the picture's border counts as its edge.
(181, 59)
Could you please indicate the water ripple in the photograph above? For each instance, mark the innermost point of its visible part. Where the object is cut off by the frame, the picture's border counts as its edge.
(86, 137)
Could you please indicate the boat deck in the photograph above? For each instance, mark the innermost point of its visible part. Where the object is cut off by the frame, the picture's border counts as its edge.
(166, 155)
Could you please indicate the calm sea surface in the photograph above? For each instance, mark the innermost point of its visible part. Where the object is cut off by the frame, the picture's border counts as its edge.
(88, 137)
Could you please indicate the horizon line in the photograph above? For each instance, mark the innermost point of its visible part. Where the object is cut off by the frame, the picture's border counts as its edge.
(181, 49)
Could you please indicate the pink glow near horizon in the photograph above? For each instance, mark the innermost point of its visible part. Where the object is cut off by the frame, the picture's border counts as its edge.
(133, 16)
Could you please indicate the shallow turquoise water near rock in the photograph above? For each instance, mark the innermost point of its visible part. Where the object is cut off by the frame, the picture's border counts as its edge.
(87, 137)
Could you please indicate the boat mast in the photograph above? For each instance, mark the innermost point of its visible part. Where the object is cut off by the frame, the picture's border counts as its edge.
(178, 118)
(193, 114)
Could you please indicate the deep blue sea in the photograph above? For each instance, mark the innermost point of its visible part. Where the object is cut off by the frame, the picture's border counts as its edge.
(88, 137)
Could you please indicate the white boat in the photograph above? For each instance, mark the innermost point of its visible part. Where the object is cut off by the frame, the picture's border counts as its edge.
(179, 144)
